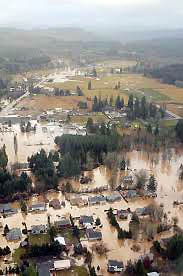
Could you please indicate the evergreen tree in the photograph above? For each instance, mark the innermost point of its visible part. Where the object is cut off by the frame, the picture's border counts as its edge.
(130, 102)
(152, 185)
(89, 85)
(90, 125)
(111, 101)
(3, 158)
(68, 167)
(143, 108)
(179, 130)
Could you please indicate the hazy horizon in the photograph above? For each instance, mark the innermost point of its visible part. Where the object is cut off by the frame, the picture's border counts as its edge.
(91, 14)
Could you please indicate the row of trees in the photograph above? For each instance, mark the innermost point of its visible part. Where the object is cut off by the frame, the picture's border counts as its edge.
(77, 150)
(140, 108)
(12, 184)
(100, 104)
(67, 92)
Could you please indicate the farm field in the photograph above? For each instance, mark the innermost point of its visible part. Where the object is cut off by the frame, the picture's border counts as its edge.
(103, 87)
(39, 103)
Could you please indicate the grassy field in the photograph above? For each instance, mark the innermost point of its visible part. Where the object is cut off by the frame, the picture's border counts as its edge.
(103, 87)
(39, 103)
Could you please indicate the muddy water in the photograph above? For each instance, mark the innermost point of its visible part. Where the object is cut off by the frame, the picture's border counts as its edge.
(29, 143)
(165, 168)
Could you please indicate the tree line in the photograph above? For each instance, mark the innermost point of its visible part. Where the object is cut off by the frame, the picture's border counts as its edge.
(99, 104)
(140, 108)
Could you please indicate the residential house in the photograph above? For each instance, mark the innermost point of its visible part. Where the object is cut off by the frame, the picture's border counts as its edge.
(6, 209)
(55, 203)
(61, 240)
(86, 221)
(14, 234)
(60, 265)
(63, 223)
(44, 268)
(114, 197)
(38, 207)
(129, 193)
(115, 266)
(122, 214)
(93, 235)
(39, 229)
(98, 199)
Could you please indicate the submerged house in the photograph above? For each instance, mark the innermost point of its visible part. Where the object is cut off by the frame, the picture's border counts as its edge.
(60, 265)
(98, 199)
(39, 229)
(55, 203)
(86, 220)
(115, 266)
(122, 214)
(38, 207)
(7, 209)
(14, 234)
(63, 223)
(114, 197)
(93, 235)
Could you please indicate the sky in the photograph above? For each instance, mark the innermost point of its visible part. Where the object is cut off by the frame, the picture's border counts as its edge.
(92, 13)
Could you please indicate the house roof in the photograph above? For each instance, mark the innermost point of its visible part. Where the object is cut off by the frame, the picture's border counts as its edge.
(38, 228)
(91, 234)
(86, 219)
(55, 203)
(113, 197)
(14, 234)
(62, 264)
(97, 199)
(61, 240)
(39, 205)
(114, 263)
(62, 222)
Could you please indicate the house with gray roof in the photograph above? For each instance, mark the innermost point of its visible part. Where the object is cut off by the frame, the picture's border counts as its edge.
(14, 234)
(63, 223)
(38, 207)
(39, 229)
(113, 197)
(93, 235)
(115, 266)
(98, 199)
(7, 209)
(86, 220)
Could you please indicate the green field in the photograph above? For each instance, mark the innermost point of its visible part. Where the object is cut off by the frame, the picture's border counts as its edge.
(149, 93)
